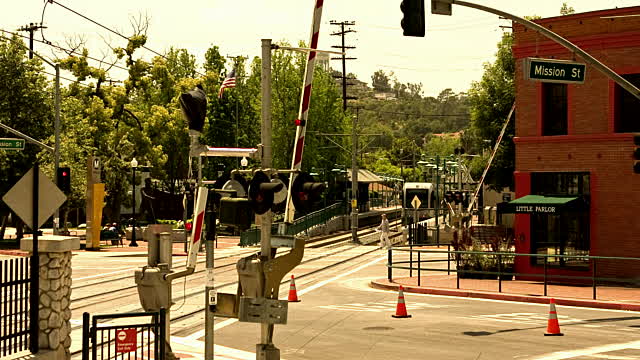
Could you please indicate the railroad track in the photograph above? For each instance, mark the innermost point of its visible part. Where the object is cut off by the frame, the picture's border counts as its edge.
(188, 315)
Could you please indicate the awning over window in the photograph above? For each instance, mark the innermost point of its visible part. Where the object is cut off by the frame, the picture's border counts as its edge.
(538, 204)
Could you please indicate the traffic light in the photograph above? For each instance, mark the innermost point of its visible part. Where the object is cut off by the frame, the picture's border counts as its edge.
(636, 155)
(64, 179)
(194, 107)
(413, 17)
(458, 197)
(448, 196)
(261, 191)
(305, 191)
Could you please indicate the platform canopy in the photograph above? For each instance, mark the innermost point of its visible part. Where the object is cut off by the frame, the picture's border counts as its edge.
(539, 204)
(365, 176)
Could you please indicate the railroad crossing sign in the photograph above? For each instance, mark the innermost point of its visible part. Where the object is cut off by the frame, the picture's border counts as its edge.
(20, 198)
(416, 202)
(126, 340)
(11, 144)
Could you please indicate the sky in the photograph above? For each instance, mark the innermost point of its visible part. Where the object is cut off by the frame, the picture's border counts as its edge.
(451, 55)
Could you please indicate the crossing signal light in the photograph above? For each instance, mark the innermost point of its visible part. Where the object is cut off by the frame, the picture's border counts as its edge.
(636, 155)
(194, 107)
(305, 191)
(413, 17)
(448, 196)
(261, 191)
(458, 197)
(63, 177)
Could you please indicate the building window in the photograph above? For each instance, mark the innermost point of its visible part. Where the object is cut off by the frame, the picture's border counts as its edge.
(565, 233)
(627, 107)
(554, 109)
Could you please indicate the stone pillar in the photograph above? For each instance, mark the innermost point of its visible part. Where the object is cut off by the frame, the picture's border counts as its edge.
(55, 292)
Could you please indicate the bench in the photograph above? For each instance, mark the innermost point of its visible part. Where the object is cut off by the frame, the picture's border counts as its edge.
(111, 236)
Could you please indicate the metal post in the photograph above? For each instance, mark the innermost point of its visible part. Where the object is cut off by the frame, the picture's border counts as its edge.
(34, 291)
(457, 271)
(418, 267)
(354, 179)
(266, 349)
(85, 335)
(499, 273)
(209, 288)
(411, 254)
(437, 207)
(545, 276)
(595, 261)
(163, 332)
(56, 149)
(133, 229)
(448, 259)
(389, 265)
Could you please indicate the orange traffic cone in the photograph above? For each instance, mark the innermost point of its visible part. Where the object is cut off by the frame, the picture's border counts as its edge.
(401, 309)
(293, 295)
(553, 328)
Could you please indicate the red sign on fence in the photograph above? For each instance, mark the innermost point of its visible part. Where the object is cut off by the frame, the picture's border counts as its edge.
(126, 340)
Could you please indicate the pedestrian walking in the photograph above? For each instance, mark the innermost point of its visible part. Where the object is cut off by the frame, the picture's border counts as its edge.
(384, 232)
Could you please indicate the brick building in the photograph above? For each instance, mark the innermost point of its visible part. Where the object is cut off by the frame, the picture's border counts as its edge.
(574, 174)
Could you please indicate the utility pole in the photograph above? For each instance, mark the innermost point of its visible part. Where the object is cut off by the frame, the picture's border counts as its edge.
(344, 59)
(31, 28)
(236, 60)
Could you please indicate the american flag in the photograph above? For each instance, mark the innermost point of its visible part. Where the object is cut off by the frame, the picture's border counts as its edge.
(229, 82)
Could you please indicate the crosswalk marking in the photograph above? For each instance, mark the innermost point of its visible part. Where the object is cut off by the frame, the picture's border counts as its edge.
(523, 318)
(384, 306)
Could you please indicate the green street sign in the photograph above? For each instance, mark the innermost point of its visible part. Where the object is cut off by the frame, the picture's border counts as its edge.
(11, 144)
(558, 71)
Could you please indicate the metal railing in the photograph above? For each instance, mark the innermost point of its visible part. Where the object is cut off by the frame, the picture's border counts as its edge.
(113, 341)
(252, 236)
(14, 308)
(501, 266)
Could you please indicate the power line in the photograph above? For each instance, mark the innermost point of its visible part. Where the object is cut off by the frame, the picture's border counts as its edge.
(414, 114)
(112, 31)
(68, 51)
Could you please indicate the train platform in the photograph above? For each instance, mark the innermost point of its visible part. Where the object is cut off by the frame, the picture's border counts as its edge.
(608, 297)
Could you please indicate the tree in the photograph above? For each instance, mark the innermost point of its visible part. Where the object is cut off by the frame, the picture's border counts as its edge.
(380, 81)
(25, 105)
(491, 100)
(566, 9)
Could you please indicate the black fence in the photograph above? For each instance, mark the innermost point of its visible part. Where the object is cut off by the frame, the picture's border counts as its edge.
(124, 336)
(14, 309)
(590, 271)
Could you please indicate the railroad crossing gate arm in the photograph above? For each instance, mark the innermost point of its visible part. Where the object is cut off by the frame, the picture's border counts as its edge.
(276, 269)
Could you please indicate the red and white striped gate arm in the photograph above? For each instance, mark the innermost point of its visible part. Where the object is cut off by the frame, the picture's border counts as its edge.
(301, 122)
(197, 225)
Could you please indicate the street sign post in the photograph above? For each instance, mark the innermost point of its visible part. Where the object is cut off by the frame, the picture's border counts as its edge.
(556, 71)
(11, 144)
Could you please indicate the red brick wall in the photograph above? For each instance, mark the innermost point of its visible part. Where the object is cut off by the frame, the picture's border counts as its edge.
(591, 144)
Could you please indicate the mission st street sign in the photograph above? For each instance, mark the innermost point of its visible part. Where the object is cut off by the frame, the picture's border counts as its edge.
(11, 144)
(558, 71)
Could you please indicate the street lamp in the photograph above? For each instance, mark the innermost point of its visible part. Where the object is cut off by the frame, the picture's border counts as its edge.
(134, 165)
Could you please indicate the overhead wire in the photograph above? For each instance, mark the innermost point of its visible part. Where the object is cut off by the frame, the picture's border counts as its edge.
(68, 51)
(111, 30)
(48, 73)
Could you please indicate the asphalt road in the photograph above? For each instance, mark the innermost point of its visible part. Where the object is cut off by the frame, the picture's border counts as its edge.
(341, 317)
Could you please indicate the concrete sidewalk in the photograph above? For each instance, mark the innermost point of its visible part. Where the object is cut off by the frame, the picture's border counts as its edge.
(608, 297)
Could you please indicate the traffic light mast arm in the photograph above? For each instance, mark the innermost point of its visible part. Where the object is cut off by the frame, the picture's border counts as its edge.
(557, 38)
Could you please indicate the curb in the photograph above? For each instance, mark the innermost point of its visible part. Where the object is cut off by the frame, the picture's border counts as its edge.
(384, 284)
(14, 252)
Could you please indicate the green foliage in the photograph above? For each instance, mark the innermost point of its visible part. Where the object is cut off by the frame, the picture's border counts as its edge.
(491, 100)
(566, 9)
